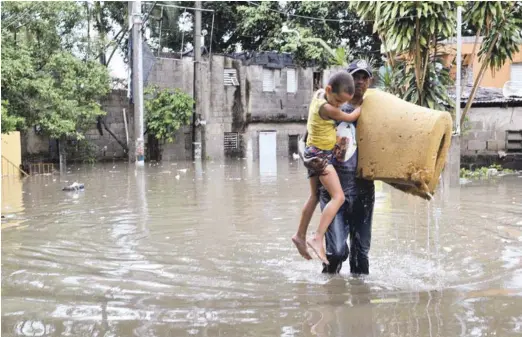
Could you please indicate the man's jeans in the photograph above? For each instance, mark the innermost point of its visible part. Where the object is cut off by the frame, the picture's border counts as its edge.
(354, 218)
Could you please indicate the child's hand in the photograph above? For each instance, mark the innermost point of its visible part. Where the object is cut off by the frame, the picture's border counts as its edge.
(356, 113)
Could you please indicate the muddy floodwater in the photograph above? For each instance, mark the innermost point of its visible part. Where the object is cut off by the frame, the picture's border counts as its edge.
(185, 249)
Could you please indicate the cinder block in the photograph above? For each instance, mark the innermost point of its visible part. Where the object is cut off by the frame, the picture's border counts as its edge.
(117, 126)
(492, 145)
(476, 145)
(495, 145)
(500, 135)
(477, 125)
(463, 144)
(92, 137)
(484, 135)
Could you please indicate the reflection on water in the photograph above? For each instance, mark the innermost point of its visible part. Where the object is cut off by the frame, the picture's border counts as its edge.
(204, 249)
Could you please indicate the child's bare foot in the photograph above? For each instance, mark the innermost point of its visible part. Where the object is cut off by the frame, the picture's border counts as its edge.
(301, 247)
(318, 248)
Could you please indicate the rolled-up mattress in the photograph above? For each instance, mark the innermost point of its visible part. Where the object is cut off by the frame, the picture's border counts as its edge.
(402, 144)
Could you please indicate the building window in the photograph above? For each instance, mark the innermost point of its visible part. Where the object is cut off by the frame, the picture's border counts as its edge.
(231, 141)
(291, 81)
(230, 77)
(318, 80)
(268, 80)
(293, 144)
(516, 72)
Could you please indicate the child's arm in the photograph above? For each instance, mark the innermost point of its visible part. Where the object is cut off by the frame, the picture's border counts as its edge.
(336, 114)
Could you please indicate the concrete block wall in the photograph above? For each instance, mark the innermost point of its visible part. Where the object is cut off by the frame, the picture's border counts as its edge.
(107, 146)
(224, 106)
(283, 131)
(485, 131)
(173, 73)
(170, 73)
(38, 148)
(181, 148)
(279, 102)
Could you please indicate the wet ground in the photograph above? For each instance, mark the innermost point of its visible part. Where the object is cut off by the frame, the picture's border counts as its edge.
(207, 252)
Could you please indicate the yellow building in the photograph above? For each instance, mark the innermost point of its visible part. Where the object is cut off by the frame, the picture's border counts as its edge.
(510, 71)
(11, 154)
(11, 180)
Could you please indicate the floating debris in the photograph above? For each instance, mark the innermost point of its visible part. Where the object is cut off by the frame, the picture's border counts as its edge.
(74, 187)
(384, 300)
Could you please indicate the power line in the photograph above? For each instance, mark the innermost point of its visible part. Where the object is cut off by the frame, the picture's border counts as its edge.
(18, 17)
(183, 7)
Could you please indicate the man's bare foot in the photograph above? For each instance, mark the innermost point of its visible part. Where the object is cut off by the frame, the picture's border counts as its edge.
(301, 247)
(318, 248)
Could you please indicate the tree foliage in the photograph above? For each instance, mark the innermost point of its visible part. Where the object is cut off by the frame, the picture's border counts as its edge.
(258, 26)
(500, 24)
(310, 25)
(9, 122)
(411, 32)
(42, 79)
(166, 112)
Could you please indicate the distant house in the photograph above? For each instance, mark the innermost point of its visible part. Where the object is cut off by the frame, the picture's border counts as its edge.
(493, 130)
(510, 71)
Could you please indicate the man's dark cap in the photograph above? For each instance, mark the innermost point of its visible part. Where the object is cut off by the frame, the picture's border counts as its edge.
(359, 65)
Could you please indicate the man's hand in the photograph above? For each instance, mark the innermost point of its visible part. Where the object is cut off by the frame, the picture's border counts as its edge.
(314, 164)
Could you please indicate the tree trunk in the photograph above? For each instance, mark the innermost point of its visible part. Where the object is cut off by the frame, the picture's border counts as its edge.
(470, 65)
(478, 80)
(117, 44)
(62, 154)
(486, 61)
(101, 29)
(417, 66)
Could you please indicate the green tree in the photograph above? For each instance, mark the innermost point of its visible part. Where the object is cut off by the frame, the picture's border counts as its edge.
(411, 32)
(9, 122)
(166, 112)
(311, 25)
(108, 17)
(500, 24)
(43, 80)
(258, 26)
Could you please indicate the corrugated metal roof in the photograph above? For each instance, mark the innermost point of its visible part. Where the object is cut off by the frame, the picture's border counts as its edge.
(484, 96)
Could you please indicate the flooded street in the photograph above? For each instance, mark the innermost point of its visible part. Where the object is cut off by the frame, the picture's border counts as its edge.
(207, 252)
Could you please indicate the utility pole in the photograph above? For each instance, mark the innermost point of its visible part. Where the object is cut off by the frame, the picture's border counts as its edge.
(451, 173)
(196, 134)
(459, 66)
(137, 81)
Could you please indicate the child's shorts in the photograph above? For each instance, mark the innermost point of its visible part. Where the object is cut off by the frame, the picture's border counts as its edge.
(314, 152)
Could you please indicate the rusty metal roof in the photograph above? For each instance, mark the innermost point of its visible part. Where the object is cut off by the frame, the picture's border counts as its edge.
(486, 96)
